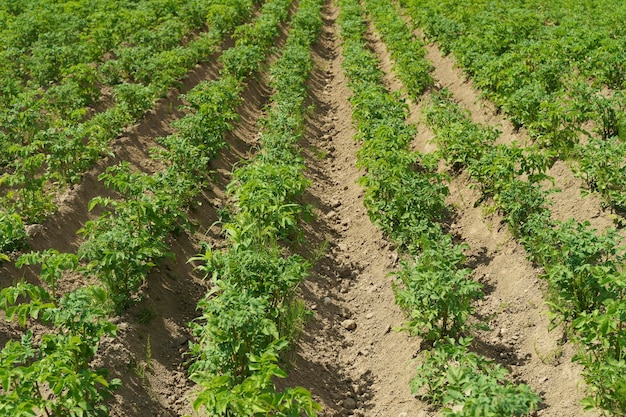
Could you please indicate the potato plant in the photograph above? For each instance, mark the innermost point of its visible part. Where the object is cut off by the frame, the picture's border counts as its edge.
(466, 384)
(603, 168)
(12, 232)
(50, 373)
(437, 292)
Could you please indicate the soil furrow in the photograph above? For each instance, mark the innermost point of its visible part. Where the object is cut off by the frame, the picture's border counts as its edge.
(349, 356)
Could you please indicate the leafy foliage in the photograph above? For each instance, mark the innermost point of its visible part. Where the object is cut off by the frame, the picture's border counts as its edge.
(519, 56)
(256, 395)
(251, 314)
(437, 293)
(52, 373)
(61, 57)
(12, 232)
(467, 384)
(603, 167)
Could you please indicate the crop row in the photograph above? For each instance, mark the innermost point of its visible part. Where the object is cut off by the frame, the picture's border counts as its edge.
(46, 40)
(584, 269)
(406, 51)
(555, 70)
(48, 141)
(406, 196)
(252, 313)
(123, 244)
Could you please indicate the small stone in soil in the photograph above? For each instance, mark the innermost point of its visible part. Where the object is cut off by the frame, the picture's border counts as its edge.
(394, 257)
(34, 230)
(327, 300)
(349, 325)
(181, 340)
(345, 270)
(349, 404)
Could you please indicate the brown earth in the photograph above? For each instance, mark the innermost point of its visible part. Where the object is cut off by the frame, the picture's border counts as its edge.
(350, 356)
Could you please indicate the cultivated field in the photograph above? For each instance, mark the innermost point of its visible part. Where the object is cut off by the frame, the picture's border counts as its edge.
(319, 207)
